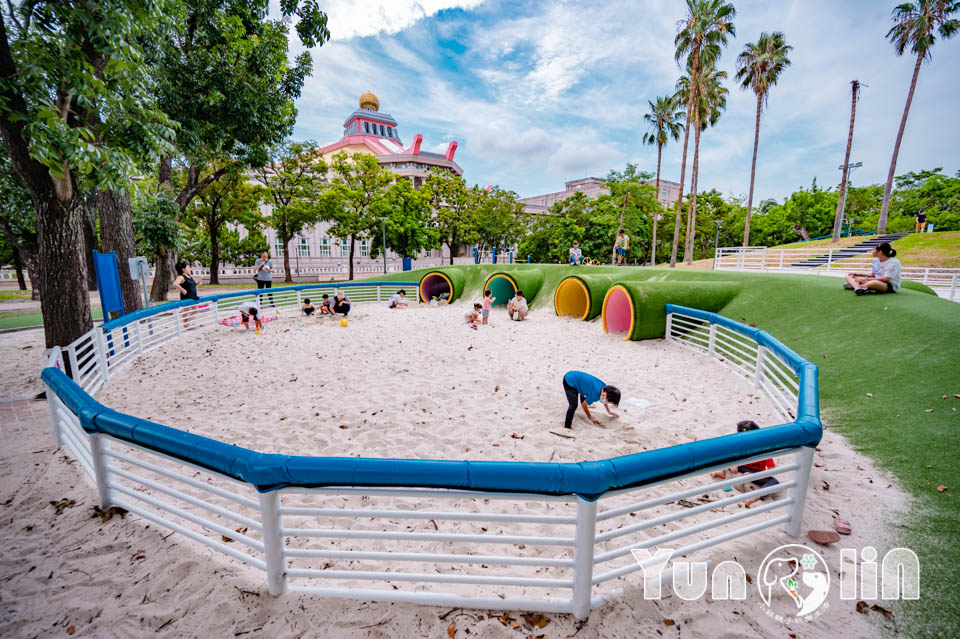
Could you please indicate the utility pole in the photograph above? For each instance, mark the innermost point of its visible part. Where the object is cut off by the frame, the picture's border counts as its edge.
(383, 227)
(838, 218)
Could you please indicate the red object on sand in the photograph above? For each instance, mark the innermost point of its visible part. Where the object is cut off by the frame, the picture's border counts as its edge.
(842, 526)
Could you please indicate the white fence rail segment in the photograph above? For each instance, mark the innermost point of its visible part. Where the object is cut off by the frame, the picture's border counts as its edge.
(457, 547)
(943, 280)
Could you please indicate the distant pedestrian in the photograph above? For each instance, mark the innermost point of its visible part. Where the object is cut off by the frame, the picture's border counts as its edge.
(921, 219)
(576, 255)
(263, 273)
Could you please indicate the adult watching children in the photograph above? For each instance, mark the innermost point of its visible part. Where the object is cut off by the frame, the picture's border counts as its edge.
(263, 272)
(341, 303)
(517, 307)
(585, 389)
(185, 282)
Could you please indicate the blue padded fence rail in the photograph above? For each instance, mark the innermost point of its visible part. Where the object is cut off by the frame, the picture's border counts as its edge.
(123, 320)
(589, 479)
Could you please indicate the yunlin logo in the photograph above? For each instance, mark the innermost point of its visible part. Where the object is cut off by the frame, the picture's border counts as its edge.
(793, 580)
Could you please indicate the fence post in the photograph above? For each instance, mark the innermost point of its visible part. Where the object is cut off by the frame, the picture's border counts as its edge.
(712, 342)
(763, 261)
(74, 367)
(52, 401)
(583, 557)
(139, 337)
(829, 259)
(216, 311)
(101, 353)
(740, 253)
(758, 373)
(666, 334)
(378, 292)
(177, 320)
(782, 251)
(100, 474)
(799, 492)
(273, 542)
(953, 287)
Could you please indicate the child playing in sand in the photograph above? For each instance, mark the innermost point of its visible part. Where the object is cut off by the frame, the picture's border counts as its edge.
(326, 306)
(396, 300)
(585, 389)
(752, 467)
(307, 307)
(250, 310)
(474, 315)
(488, 300)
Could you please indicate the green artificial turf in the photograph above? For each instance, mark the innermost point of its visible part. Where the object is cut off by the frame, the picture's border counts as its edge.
(904, 349)
(649, 301)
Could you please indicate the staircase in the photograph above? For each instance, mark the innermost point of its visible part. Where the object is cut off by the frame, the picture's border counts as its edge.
(849, 251)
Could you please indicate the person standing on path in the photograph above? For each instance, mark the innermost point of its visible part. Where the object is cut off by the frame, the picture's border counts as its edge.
(263, 273)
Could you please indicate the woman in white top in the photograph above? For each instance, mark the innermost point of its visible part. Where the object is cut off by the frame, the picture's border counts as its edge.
(890, 280)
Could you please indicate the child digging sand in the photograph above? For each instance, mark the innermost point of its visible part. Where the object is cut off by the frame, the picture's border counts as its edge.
(752, 467)
(307, 307)
(473, 316)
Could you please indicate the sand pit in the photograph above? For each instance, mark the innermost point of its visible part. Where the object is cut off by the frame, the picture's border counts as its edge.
(415, 383)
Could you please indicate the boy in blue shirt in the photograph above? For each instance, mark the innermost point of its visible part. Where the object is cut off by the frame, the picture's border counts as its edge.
(584, 389)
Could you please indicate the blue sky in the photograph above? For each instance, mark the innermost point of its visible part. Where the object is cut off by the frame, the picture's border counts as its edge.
(537, 93)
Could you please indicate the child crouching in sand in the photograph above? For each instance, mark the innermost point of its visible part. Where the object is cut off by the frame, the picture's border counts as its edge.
(473, 316)
(307, 308)
(248, 311)
(752, 467)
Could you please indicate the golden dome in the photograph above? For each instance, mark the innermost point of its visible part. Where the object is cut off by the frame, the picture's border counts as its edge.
(369, 101)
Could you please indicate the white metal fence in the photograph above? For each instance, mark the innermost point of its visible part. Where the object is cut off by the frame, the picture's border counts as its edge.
(944, 281)
(464, 548)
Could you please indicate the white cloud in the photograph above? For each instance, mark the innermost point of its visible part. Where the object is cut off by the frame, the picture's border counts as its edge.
(350, 19)
(591, 156)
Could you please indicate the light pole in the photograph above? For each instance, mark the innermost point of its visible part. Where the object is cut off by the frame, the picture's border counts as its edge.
(716, 242)
(843, 206)
(383, 226)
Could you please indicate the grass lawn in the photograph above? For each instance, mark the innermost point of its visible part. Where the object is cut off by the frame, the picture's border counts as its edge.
(14, 295)
(904, 349)
(19, 320)
(917, 249)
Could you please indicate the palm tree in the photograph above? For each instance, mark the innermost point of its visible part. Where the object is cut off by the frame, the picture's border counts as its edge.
(664, 120)
(914, 25)
(758, 68)
(699, 39)
(709, 98)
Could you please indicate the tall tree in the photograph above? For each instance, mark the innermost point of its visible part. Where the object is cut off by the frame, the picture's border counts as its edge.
(224, 76)
(759, 66)
(838, 218)
(354, 198)
(496, 219)
(292, 185)
(709, 100)
(76, 111)
(228, 201)
(664, 119)
(406, 213)
(702, 34)
(916, 25)
(453, 204)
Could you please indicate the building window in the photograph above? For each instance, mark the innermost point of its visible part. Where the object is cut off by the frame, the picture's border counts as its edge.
(303, 247)
(364, 248)
(324, 247)
(344, 248)
(663, 192)
(381, 131)
(366, 127)
(278, 247)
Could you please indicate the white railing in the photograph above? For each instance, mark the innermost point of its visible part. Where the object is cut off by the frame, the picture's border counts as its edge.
(944, 281)
(480, 548)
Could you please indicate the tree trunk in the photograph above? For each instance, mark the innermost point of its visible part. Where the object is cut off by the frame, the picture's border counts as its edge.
(162, 275)
(90, 237)
(884, 209)
(683, 170)
(214, 256)
(753, 172)
(116, 234)
(65, 303)
(838, 218)
(31, 261)
(350, 258)
(453, 247)
(656, 214)
(692, 210)
(287, 277)
(18, 266)
(802, 232)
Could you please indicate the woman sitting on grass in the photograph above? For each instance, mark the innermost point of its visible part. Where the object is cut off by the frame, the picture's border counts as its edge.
(890, 280)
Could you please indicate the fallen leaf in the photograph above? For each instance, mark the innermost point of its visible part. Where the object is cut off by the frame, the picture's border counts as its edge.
(825, 356)
(957, 395)
(515, 436)
(928, 410)
(71, 630)
(749, 578)
(107, 515)
(944, 397)
(862, 607)
(496, 389)
(886, 613)
(669, 622)
(823, 537)
(869, 394)
(842, 526)
(452, 629)
(344, 427)
(941, 488)
(63, 504)
(826, 485)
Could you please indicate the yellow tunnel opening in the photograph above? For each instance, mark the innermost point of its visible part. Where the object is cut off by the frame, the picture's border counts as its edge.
(434, 285)
(572, 298)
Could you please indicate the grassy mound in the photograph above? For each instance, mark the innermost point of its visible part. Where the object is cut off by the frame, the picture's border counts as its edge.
(648, 300)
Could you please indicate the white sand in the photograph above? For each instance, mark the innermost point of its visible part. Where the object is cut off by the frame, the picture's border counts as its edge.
(414, 383)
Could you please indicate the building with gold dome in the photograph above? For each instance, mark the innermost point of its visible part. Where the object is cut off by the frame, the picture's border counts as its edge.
(367, 130)
(315, 254)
